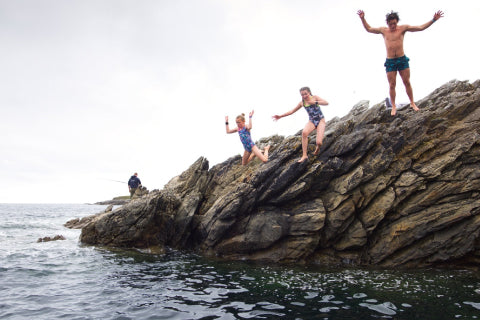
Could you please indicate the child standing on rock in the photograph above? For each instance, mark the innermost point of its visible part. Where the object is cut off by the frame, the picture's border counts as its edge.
(251, 150)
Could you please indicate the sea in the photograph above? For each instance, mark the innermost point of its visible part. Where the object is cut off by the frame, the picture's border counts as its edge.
(65, 279)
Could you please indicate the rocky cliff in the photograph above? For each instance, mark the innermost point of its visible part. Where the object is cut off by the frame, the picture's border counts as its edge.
(386, 191)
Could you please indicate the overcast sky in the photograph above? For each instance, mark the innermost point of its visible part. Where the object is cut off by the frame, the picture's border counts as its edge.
(94, 90)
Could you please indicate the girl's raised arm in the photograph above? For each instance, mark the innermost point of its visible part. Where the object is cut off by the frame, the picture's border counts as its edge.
(227, 128)
(250, 115)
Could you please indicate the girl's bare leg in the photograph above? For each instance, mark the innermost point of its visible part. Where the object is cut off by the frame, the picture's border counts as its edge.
(320, 133)
(247, 157)
(309, 127)
(258, 153)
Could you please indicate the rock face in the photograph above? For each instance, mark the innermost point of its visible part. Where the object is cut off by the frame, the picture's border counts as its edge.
(386, 191)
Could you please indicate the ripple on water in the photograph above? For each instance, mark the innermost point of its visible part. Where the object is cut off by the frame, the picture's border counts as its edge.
(386, 308)
(476, 305)
(64, 280)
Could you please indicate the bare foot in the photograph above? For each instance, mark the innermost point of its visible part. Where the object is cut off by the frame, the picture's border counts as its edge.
(302, 159)
(394, 111)
(317, 150)
(389, 104)
(414, 106)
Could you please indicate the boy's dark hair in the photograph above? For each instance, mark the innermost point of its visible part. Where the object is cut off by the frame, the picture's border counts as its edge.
(392, 16)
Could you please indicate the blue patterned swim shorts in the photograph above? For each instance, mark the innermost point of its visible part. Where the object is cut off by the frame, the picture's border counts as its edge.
(396, 64)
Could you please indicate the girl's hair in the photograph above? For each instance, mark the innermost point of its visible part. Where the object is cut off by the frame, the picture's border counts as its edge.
(241, 117)
(392, 16)
(306, 89)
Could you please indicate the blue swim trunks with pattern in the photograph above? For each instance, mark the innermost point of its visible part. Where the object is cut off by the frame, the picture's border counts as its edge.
(396, 64)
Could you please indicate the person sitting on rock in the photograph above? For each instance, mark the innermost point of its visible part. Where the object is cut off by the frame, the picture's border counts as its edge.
(311, 104)
(251, 150)
(133, 184)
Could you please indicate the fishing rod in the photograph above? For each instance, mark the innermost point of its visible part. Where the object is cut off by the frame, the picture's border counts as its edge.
(115, 181)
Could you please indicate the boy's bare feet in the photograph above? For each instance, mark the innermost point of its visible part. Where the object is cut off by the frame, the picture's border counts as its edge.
(414, 106)
(317, 150)
(389, 105)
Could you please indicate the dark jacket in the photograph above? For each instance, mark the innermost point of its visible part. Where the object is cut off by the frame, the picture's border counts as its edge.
(134, 182)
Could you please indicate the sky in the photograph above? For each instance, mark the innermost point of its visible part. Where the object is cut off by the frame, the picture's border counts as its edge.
(92, 91)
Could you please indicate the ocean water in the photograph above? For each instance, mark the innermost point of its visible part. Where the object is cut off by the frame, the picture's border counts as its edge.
(66, 280)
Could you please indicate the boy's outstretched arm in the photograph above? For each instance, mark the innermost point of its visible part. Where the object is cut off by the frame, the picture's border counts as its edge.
(436, 16)
(367, 27)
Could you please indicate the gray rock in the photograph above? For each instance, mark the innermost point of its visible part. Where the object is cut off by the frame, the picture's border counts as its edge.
(48, 239)
(386, 191)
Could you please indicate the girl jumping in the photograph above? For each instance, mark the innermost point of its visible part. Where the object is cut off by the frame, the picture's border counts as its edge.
(316, 119)
(251, 150)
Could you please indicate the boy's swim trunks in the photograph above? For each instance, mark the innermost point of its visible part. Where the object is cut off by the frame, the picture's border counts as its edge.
(397, 64)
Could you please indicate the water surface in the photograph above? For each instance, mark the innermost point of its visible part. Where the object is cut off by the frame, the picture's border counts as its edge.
(65, 280)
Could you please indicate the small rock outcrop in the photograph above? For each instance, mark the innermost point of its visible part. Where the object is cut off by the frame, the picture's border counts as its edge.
(78, 223)
(385, 191)
(120, 201)
(48, 239)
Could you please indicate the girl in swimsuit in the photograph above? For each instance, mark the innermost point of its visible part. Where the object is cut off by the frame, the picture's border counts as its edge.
(251, 150)
(311, 104)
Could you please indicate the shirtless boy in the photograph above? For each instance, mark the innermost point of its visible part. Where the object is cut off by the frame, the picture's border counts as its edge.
(396, 59)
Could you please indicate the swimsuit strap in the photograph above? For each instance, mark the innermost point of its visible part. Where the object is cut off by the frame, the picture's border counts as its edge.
(303, 101)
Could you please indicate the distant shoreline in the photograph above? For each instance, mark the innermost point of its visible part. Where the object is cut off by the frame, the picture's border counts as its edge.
(118, 201)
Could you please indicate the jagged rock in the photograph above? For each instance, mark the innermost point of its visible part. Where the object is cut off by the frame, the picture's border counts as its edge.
(55, 238)
(80, 223)
(140, 192)
(386, 191)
